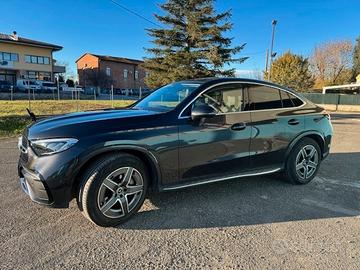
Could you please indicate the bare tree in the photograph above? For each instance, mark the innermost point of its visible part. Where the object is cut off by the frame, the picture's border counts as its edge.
(331, 63)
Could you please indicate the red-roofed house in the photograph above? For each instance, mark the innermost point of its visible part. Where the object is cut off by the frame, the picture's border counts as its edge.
(124, 73)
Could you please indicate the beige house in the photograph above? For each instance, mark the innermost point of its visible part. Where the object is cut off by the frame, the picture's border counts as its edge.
(22, 58)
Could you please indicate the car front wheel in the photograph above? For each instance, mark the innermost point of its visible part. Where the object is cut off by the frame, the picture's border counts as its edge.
(303, 161)
(113, 189)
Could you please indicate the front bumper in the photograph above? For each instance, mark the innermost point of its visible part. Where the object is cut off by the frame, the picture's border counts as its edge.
(32, 185)
(47, 180)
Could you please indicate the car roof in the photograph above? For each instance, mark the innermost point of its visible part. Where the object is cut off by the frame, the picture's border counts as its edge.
(215, 80)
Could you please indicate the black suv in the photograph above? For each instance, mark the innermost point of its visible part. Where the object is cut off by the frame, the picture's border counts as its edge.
(184, 134)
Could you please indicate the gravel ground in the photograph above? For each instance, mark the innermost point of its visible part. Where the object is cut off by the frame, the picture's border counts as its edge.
(250, 223)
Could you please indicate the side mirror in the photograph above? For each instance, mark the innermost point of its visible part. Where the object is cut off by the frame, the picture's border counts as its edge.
(202, 111)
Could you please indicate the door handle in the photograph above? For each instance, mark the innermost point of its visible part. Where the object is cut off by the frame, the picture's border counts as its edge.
(293, 122)
(238, 126)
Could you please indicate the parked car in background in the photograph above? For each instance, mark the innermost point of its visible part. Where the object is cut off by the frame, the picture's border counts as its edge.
(183, 134)
(46, 86)
(5, 86)
(24, 85)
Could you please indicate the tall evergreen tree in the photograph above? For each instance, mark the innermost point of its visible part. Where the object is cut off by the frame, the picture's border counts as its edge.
(292, 70)
(192, 43)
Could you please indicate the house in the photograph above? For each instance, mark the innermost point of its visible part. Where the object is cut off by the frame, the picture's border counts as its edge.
(22, 58)
(122, 73)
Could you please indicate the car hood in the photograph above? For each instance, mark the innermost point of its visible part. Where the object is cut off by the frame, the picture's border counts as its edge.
(89, 123)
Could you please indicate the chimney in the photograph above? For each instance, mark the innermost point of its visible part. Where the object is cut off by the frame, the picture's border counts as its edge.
(14, 36)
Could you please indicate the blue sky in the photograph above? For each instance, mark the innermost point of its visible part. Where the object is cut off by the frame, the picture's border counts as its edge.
(101, 27)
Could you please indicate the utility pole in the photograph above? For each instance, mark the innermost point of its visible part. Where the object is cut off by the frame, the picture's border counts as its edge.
(272, 55)
(267, 61)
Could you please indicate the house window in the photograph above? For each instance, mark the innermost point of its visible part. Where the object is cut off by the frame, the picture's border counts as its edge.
(125, 73)
(14, 57)
(108, 71)
(44, 76)
(146, 74)
(27, 58)
(136, 75)
(5, 56)
(36, 75)
(32, 75)
(33, 59)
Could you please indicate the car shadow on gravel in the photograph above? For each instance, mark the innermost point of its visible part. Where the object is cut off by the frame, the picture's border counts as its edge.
(250, 201)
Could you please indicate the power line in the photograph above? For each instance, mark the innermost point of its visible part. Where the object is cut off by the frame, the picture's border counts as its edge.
(134, 13)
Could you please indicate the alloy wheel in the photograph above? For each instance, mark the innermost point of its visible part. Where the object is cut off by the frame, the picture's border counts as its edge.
(307, 161)
(120, 192)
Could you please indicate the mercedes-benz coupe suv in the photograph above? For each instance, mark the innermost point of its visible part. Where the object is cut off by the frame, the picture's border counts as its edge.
(183, 134)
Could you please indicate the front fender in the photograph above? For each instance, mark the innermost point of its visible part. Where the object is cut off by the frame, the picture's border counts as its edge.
(101, 149)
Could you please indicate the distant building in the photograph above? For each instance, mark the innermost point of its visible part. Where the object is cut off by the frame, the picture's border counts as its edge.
(22, 58)
(123, 73)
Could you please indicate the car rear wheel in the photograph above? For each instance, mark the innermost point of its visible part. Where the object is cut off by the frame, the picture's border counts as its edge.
(113, 189)
(303, 162)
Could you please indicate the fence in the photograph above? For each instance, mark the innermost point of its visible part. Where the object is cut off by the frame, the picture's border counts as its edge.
(318, 98)
(335, 99)
(65, 95)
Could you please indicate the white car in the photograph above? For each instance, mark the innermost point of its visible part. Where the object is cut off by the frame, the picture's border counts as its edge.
(47, 87)
(24, 85)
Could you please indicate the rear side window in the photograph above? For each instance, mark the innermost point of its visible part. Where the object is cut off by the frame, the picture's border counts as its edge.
(264, 98)
(289, 100)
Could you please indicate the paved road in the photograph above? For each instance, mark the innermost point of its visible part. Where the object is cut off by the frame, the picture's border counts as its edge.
(260, 222)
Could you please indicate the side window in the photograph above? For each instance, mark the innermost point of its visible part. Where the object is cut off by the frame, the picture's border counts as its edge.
(289, 100)
(264, 97)
(223, 99)
(296, 101)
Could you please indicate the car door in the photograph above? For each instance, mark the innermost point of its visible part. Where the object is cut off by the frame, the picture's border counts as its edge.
(217, 146)
(275, 123)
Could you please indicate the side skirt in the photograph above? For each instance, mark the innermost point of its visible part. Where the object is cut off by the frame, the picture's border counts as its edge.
(213, 180)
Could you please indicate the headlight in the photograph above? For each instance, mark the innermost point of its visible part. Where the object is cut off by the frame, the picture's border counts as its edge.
(51, 146)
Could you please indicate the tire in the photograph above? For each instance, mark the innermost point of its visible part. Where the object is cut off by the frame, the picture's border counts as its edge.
(113, 189)
(303, 164)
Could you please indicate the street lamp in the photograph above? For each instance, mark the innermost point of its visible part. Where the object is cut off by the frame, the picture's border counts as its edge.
(272, 54)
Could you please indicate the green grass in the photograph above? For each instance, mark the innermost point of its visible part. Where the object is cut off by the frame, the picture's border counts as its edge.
(14, 118)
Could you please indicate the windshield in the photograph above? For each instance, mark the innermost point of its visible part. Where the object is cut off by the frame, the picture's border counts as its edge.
(167, 97)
